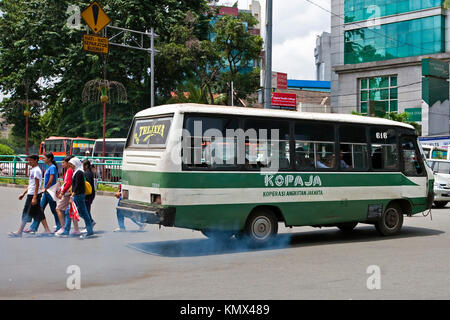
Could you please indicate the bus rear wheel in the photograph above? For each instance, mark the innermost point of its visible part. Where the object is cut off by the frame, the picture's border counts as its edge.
(440, 204)
(347, 227)
(261, 226)
(391, 221)
(218, 235)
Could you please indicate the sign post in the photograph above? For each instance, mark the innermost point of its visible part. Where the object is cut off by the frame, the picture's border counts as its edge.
(279, 80)
(284, 100)
(95, 17)
(97, 20)
(95, 44)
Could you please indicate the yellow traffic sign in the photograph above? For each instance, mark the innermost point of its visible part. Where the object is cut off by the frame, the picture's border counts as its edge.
(95, 17)
(95, 43)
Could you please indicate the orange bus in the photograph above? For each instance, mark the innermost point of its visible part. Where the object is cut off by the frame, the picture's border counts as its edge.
(66, 146)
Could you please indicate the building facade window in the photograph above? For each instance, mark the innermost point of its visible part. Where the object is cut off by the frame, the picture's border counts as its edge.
(383, 90)
(357, 10)
(395, 40)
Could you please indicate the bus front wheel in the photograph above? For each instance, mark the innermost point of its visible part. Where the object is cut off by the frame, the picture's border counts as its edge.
(391, 221)
(261, 226)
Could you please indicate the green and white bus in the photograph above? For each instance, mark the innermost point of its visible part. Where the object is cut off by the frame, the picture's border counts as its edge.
(184, 167)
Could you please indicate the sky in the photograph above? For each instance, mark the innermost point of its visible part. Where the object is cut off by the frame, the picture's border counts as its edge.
(296, 24)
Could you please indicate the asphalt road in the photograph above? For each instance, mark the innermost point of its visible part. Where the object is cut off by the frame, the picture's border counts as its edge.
(172, 263)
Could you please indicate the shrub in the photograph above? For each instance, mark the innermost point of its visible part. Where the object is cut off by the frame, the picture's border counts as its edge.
(5, 150)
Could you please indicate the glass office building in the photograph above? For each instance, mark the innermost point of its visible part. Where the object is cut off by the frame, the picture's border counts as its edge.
(395, 40)
(358, 10)
(377, 47)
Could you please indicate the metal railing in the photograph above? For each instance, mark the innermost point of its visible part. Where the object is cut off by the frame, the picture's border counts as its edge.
(106, 170)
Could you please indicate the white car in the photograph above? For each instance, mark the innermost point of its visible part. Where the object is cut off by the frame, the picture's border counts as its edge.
(441, 170)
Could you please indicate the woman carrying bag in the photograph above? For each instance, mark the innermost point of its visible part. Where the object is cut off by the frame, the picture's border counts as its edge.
(78, 199)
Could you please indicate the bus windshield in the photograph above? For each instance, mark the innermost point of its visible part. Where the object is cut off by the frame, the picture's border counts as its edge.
(82, 147)
(55, 146)
(112, 148)
(150, 133)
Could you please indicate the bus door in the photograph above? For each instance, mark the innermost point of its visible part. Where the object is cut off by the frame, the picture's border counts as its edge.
(68, 147)
(42, 148)
(413, 165)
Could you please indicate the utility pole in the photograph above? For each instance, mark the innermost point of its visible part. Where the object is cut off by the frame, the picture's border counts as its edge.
(152, 68)
(232, 94)
(268, 57)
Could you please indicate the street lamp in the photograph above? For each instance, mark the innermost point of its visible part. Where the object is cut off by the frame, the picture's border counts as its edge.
(27, 113)
(104, 91)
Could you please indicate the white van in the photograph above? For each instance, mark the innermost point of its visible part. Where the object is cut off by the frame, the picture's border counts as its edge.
(441, 170)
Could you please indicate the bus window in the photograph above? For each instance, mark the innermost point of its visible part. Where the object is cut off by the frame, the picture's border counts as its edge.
(411, 164)
(60, 146)
(67, 150)
(384, 153)
(271, 144)
(353, 153)
(314, 146)
(49, 146)
(206, 144)
(113, 148)
(118, 149)
(41, 148)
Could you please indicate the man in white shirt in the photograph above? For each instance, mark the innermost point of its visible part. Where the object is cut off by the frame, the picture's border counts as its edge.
(32, 208)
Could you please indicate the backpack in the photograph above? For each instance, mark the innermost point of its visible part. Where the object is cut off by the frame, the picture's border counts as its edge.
(87, 188)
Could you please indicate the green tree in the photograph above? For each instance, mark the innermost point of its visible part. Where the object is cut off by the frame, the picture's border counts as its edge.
(189, 93)
(446, 4)
(238, 51)
(210, 57)
(37, 45)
